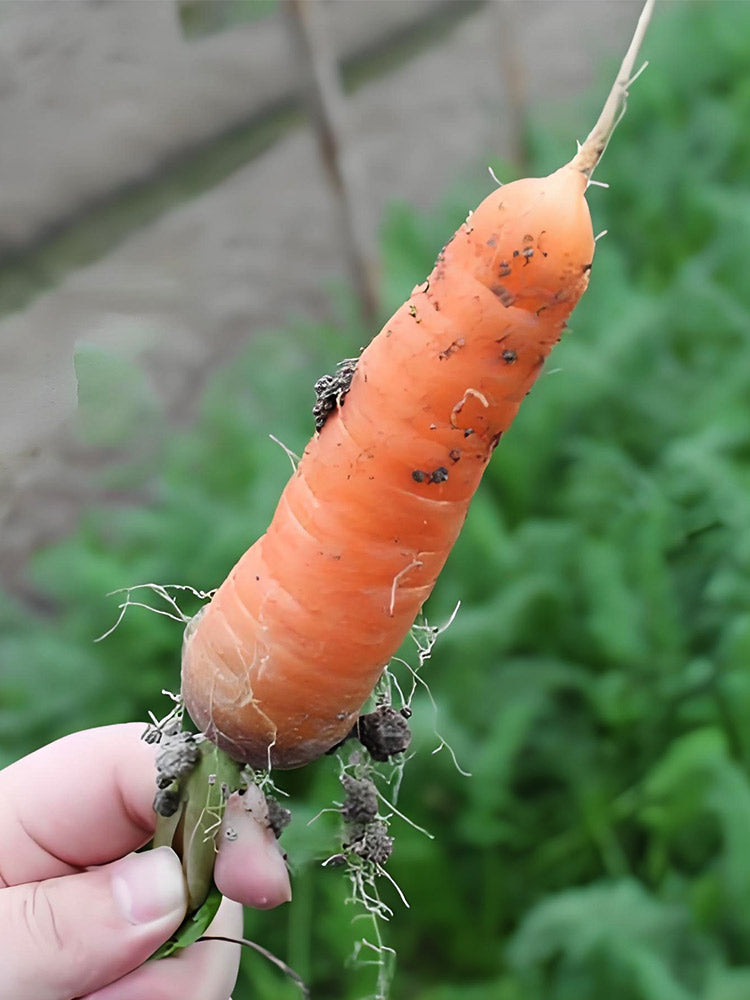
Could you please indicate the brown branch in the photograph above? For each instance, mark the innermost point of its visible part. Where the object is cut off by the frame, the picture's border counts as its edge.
(513, 78)
(325, 99)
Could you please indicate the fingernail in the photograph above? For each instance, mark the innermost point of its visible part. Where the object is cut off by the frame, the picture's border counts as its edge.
(150, 886)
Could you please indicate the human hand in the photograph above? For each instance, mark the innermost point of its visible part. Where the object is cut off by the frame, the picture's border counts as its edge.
(80, 913)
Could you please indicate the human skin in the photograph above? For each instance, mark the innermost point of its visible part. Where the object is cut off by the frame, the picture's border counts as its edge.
(80, 912)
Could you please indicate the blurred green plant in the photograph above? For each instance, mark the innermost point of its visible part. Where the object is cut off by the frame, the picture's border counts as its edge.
(207, 17)
(597, 679)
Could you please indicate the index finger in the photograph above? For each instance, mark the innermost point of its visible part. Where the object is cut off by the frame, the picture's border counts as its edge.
(84, 800)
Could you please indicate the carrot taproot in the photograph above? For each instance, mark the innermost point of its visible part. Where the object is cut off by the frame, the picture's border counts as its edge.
(278, 665)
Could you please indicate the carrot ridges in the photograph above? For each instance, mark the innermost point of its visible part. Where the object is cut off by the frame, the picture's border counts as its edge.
(293, 643)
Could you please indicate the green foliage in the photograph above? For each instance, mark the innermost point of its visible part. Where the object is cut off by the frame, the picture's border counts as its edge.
(638, 947)
(597, 679)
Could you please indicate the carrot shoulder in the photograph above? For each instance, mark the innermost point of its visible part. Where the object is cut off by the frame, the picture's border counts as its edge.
(277, 667)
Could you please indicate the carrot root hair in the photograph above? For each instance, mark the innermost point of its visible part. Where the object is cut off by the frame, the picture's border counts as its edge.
(367, 840)
(291, 455)
(269, 955)
(424, 637)
(592, 149)
(163, 591)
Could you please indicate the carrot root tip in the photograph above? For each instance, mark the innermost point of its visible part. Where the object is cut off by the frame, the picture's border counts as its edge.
(591, 150)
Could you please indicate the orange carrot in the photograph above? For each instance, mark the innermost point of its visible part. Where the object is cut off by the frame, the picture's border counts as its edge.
(277, 667)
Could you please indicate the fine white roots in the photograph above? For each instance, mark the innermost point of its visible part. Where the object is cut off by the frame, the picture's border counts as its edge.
(291, 455)
(414, 564)
(424, 637)
(364, 874)
(163, 591)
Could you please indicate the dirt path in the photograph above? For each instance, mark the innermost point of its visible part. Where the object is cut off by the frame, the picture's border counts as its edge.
(184, 293)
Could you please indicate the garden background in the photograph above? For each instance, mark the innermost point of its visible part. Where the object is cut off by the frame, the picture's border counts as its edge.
(596, 680)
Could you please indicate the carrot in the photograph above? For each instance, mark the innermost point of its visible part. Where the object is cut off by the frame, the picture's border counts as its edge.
(277, 667)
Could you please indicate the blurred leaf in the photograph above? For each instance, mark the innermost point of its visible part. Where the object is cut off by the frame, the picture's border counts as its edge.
(624, 939)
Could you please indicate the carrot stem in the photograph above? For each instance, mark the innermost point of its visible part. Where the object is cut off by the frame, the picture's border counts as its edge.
(590, 152)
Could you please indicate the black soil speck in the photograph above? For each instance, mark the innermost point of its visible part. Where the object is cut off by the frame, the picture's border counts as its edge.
(456, 345)
(178, 754)
(361, 802)
(278, 816)
(439, 475)
(501, 292)
(383, 733)
(374, 845)
(330, 391)
(167, 801)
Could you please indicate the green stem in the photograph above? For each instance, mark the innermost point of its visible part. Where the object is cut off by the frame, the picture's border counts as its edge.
(192, 831)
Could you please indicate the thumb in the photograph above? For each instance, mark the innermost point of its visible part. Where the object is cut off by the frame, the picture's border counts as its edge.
(64, 937)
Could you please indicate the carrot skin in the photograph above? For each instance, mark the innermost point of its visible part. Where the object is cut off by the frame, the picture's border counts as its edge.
(283, 658)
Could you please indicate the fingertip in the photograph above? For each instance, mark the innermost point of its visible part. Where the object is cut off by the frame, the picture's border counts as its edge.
(250, 866)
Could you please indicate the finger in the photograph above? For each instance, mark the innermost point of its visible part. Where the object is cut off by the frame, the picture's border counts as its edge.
(250, 867)
(207, 970)
(67, 936)
(83, 800)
